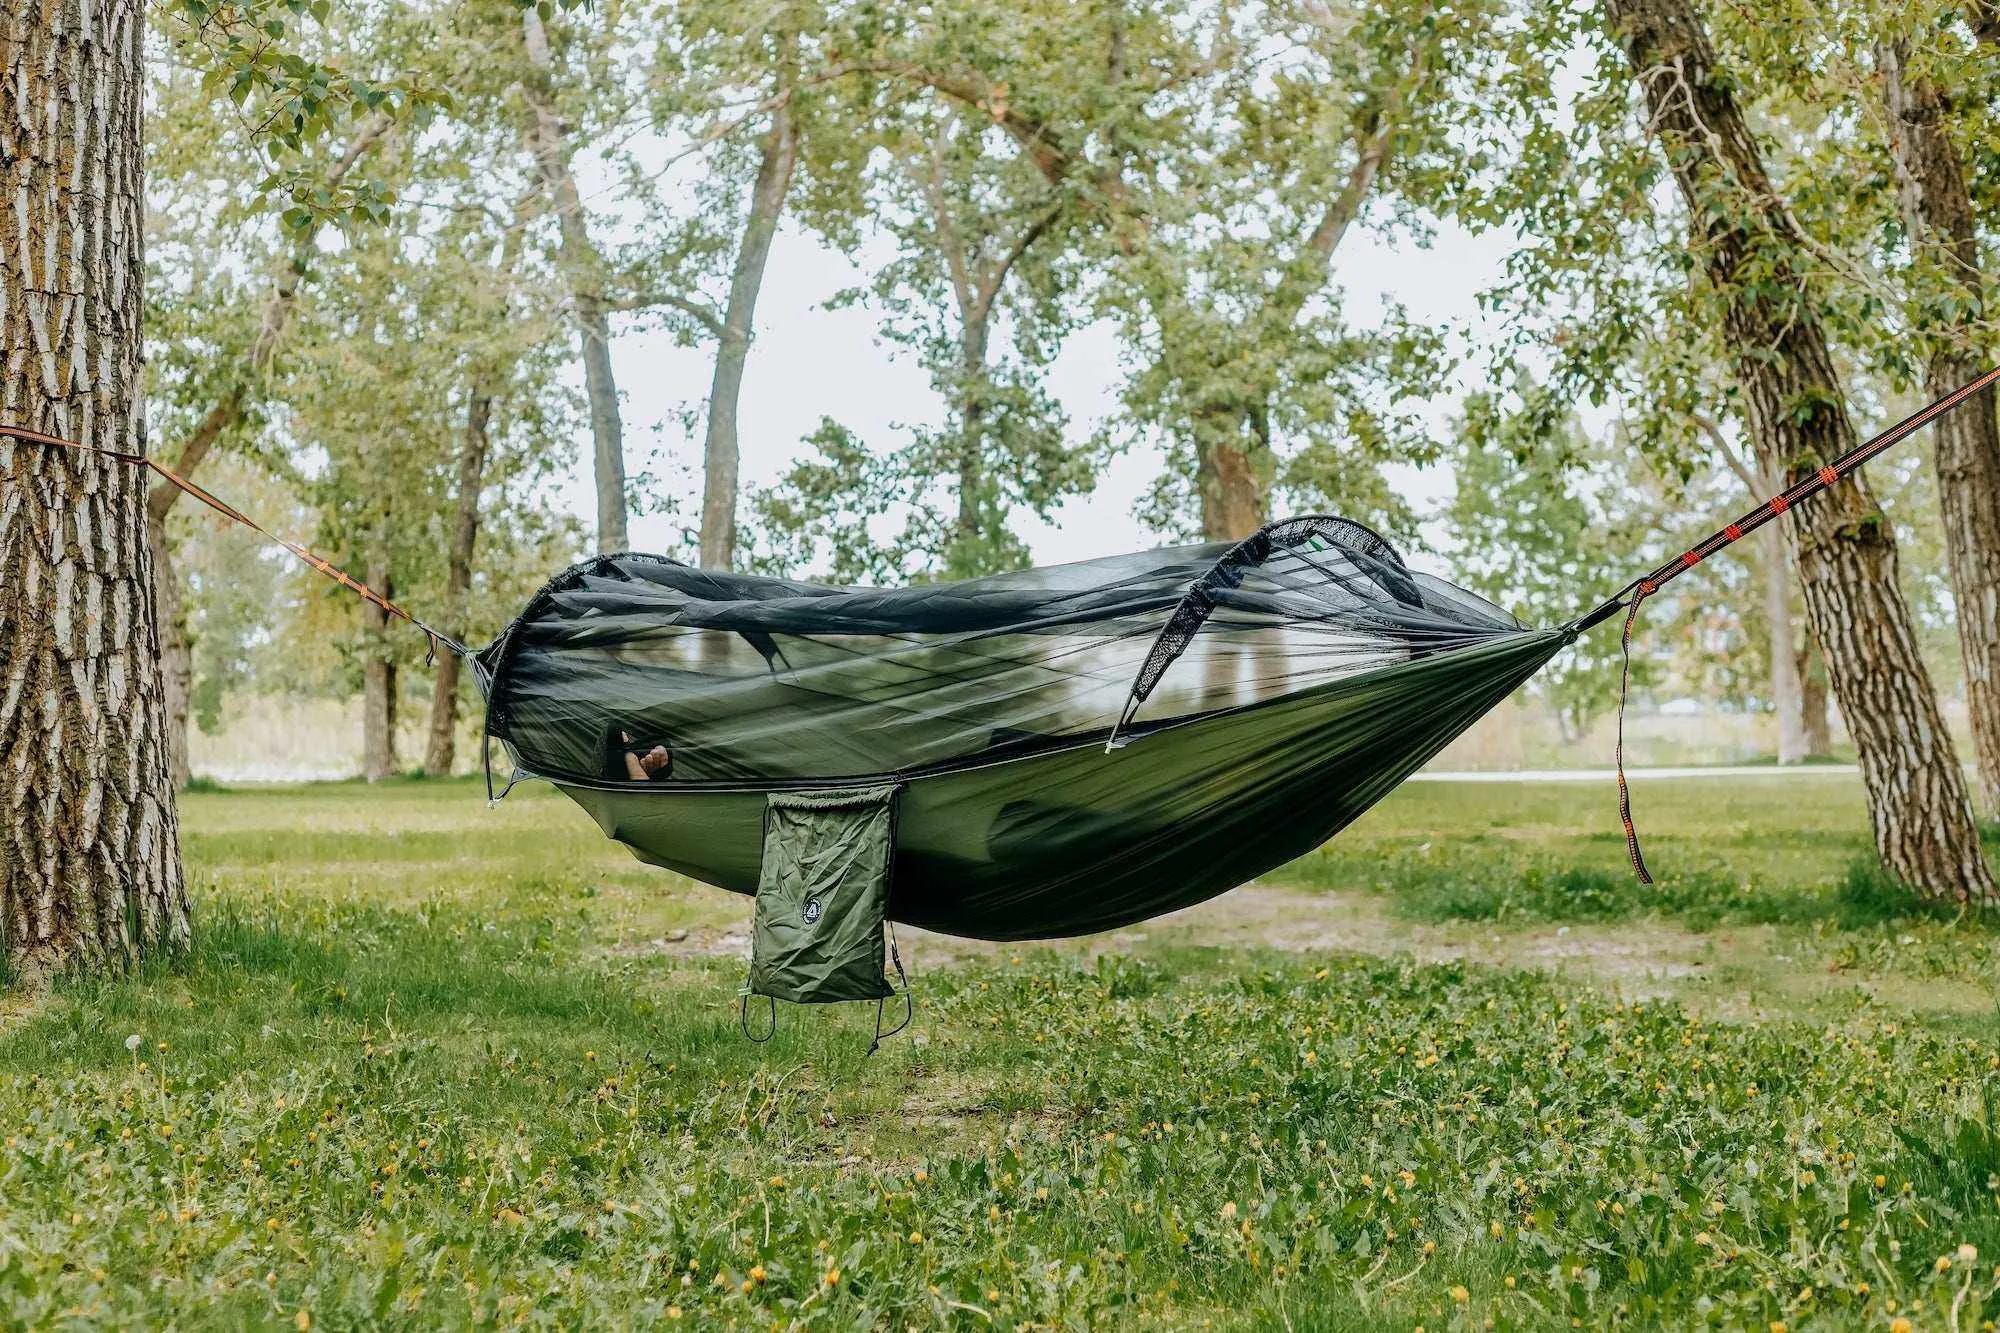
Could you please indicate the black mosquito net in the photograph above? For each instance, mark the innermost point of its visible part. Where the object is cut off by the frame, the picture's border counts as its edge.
(1076, 746)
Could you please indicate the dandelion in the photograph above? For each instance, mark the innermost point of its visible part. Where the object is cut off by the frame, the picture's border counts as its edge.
(916, 1238)
(993, 1295)
(1943, 1263)
(1228, 1211)
(757, 1273)
(134, 1042)
(832, 1278)
(1899, 1326)
(777, 1182)
(302, 1321)
(1508, 1281)
(1461, 1295)
(1968, 1254)
(673, 1312)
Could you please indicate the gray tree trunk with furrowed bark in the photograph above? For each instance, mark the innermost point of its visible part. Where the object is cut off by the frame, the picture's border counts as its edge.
(583, 273)
(720, 452)
(1938, 206)
(90, 870)
(1749, 247)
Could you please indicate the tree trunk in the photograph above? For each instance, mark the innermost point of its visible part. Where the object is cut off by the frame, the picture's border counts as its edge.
(1815, 709)
(1787, 694)
(719, 451)
(1232, 468)
(441, 746)
(378, 682)
(1749, 245)
(1938, 206)
(1786, 700)
(175, 652)
(90, 870)
(583, 273)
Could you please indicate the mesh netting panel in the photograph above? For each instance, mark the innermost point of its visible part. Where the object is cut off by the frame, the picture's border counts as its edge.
(749, 679)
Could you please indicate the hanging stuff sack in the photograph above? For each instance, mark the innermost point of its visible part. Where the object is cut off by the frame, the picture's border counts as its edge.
(822, 899)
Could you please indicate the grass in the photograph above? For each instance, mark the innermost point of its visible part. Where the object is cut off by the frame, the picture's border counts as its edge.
(431, 1065)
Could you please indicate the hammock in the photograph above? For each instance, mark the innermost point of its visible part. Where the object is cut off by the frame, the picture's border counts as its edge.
(1075, 748)
(1034, 754)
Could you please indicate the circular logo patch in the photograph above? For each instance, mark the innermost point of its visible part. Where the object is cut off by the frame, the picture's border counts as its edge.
(811, 911)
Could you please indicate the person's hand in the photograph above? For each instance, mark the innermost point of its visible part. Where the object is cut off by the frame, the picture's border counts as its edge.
(642, 767)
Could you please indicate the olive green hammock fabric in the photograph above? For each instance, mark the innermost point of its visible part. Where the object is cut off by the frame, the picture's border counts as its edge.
(1071, 748)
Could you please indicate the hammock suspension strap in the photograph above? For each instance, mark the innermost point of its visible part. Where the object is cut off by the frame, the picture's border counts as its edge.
(1632, 595)
(438, 638)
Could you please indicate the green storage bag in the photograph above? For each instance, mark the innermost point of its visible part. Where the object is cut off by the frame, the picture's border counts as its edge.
(822, 895)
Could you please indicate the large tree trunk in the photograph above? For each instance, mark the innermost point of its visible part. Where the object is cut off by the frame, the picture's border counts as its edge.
(378, 682)
(1749, 246)
(583, 273)
(719, 452)
(90, 870)
(1938, 205)
(441, 746)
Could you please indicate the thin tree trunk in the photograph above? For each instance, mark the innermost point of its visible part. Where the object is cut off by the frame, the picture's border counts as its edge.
(1815, 708)
(176, 660)
(1938, 206)
(1787, 701)
(442, 743)
(1748, 243)
(719, 451)
(1787, 691)
(90, 870)
(378, 682)
(583, 273)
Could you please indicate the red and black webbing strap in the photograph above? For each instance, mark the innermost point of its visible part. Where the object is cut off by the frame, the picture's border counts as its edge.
(1633, 594)
(438, 638)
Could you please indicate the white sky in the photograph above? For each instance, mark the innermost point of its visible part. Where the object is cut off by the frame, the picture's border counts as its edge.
(809, 361)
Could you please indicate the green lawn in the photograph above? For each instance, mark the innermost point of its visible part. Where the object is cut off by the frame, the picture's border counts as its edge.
(437, 1065)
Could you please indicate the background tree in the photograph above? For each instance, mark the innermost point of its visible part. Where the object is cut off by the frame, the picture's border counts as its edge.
(979, 231)
(1750, 252)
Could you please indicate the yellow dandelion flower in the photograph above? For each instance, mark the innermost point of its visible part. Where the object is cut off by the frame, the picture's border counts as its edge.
(1899, 1326)
(302, 1321)
(916, 1238)
(1461, 1295)
(757, 1273)
(832, 1278)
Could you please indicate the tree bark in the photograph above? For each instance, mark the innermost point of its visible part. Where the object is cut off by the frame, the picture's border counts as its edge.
(583, 273)
(1748, 243)
(90, 869)
(1938, 207)
(719, 450)
(378, 681)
